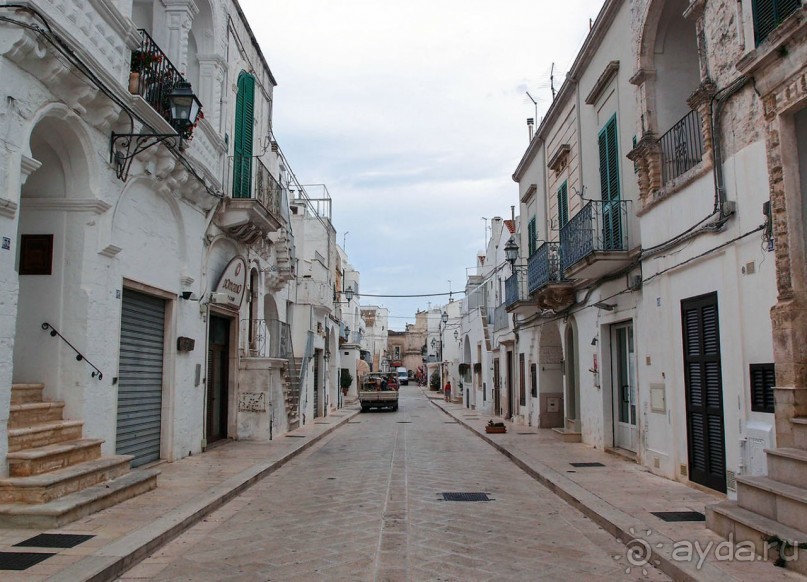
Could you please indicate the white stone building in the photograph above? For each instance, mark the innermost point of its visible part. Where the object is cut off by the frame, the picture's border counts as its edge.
(166, 267)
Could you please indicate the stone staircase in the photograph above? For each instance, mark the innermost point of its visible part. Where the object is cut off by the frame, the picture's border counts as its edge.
(486, 330)
(55, 475)
(291, 392)
(773, 507)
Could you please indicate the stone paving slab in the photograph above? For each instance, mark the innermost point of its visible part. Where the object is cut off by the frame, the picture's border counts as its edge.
(187, 491)
(619, 497)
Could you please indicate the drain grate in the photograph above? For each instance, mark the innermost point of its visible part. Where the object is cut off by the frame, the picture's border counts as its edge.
(465, 496)
(55, 541)
(404, 422)
(354, 422)
(587, 465)
(535, 433)
(322, 423)
(449, 422)
(679, 515)
(21, 560)
(295, 436)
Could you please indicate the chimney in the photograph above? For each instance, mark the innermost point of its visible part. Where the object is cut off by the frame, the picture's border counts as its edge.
(513, 213)
(531, 125)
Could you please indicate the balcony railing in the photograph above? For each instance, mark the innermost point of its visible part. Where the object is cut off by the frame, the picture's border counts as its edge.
(681, 147)
(515, 287)
(267, 338)
(157, 76)
(500, 320)
(544, 266)
(267, 189)
(601, 226)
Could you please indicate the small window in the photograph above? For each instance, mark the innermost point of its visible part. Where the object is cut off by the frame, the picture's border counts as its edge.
(763, 379)
(768, 14)
(532, 238)
(534, 380)
(36, 254)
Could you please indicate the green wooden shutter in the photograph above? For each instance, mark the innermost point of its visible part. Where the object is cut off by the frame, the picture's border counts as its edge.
(768, 14)
(609, 187)
(531, 234)
(242, 144)
(563, 205)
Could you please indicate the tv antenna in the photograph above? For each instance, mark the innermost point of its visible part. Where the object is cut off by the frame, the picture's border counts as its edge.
(552, 80)
(535, 103)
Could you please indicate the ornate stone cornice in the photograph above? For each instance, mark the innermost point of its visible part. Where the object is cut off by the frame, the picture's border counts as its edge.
(67, 204)
(602, 82)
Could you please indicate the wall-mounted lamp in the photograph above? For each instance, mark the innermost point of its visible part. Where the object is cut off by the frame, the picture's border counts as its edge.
(184, 110)
(511, 251)
(444, 318)
(189, 296)
(348, 293)
(434, 343)
(456, 335)
(605, 306)
(594, 341)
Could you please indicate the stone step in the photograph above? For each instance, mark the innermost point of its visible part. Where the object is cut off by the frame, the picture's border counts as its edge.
(40, 460)
(46, 433)
(49, 486)
(24, 393)
(71, 507)
(800, 432)
(567, 436)
(777, 501)
(787, 465)
(31, 413)
(740, 525)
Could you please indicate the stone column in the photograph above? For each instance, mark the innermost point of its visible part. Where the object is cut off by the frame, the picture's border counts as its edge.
(179, 17)
(212, 69)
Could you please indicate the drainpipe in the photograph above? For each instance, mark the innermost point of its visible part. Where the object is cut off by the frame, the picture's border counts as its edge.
(716, 105)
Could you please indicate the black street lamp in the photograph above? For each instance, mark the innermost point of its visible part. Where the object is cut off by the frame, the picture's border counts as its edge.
(511, 251)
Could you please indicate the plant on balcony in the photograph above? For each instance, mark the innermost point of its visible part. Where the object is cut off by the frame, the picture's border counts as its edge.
(142, 60)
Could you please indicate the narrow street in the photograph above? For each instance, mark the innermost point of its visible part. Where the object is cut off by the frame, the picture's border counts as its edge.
(367, 504)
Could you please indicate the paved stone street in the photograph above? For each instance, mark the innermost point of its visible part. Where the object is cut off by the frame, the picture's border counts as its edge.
(367, 504)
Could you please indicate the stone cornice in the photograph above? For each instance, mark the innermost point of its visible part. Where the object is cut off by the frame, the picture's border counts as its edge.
(605, 77)
(556, 162)
(641, 76)
(67, 204)
(695, 9)
(8, 208)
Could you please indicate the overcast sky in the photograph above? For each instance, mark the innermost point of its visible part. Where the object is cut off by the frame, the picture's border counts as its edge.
(413, 113)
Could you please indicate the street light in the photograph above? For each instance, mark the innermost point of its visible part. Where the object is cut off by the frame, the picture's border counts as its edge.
(511, 251)
(456, 335)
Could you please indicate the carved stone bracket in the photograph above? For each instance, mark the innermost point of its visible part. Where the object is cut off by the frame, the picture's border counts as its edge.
(647, 157)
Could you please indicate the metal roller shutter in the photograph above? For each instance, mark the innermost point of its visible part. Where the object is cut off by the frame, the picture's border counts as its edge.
(140, 377)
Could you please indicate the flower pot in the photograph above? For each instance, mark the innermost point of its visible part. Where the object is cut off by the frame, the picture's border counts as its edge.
(496, 429)
(134, 83)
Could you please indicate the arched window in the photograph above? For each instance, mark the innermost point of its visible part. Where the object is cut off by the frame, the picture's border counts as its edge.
(242, 144)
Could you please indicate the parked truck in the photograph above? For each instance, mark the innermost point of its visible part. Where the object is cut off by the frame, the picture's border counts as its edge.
(379, 391)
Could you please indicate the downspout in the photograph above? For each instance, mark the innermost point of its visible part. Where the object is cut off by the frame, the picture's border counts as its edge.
(716, 106)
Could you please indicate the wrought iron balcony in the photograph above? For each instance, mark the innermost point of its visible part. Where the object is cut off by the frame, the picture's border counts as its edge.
(681, 147)
(515, 291)
(543, 267)
(500, 319)
(249, 218)
(595, 241)
(154, 77)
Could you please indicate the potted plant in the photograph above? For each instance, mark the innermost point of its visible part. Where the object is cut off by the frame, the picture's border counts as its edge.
(141, 60)
(495, 427)
(345, 380)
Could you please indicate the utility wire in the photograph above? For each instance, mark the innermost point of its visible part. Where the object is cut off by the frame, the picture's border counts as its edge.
(416, 295)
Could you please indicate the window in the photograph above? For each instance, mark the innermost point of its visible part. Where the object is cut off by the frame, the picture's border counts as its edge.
(531, 235)
(768, 14)
(763, 379)
(242, 144)
(612, 239)
(563, 205)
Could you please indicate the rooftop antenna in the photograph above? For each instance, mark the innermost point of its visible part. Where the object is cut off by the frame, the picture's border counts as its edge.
(344, 241)
(534, 102)
(485, 237)
(552, 81)
(449, 291)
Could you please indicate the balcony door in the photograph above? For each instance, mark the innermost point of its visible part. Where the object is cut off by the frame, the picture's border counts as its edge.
(609, 188)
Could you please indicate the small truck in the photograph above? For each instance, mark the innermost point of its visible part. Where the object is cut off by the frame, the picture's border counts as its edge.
(379, 391)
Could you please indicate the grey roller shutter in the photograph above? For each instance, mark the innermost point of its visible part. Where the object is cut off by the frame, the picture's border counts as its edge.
(140, 377)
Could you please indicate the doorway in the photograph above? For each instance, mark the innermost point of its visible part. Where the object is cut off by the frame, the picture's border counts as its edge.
(218, 373)
(703, 379)
(497, 399)
(509, 379)
(572, 388)
(623, 386)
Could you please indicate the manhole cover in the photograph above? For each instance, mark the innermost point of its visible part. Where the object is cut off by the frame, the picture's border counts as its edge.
(679, 515)
(55, 541)
(587, 465)
(295, 436)
(404, 422)
(21, 560)
(465, 496)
